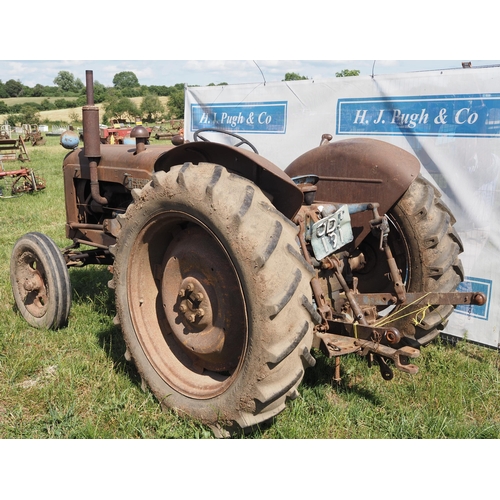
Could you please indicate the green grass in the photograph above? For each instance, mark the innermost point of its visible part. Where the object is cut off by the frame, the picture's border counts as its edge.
(75, 382)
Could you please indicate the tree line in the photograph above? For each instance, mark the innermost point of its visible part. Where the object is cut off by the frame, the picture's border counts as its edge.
(69, 92)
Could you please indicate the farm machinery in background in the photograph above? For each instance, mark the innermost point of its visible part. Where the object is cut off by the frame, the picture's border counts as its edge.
(33, 135)
(231, 275)
(119, 132)
(15, 182)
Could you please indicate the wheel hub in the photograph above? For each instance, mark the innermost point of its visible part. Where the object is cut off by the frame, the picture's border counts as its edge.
(194, 309)
(193, 301)
(198, 309)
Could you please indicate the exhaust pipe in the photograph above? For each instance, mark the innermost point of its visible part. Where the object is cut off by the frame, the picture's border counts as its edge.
(91, 138)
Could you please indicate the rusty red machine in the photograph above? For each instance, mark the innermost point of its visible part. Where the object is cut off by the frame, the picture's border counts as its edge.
(231, 276)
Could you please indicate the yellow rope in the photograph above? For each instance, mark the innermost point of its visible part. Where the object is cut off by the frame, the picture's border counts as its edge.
(397, 314)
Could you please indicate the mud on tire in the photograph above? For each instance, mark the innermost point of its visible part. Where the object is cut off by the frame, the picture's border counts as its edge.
(426, 248)
(213, 296)
(434, 248)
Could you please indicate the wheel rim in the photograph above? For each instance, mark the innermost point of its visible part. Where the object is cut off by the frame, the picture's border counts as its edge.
(374, 277)
(32, 284)
(187, 305)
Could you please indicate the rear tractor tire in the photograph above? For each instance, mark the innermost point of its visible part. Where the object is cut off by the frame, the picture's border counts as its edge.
(40, 281)
(213, 297)
(426, 248)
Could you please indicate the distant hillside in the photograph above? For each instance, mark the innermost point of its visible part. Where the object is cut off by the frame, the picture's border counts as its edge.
(60, 115)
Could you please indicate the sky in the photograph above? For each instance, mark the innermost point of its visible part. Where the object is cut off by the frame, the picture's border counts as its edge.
(201, 43)
(204, 72)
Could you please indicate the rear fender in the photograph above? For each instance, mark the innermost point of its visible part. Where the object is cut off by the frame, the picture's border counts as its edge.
(284, 194)
(358, 171)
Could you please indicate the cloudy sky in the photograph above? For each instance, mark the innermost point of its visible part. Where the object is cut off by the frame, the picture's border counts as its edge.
(204, 72)
(201, 42)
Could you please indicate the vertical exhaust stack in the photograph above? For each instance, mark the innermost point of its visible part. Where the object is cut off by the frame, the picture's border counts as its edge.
(91, 138)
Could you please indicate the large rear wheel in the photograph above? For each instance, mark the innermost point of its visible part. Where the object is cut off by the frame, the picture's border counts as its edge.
(213, 296)
(426, 248)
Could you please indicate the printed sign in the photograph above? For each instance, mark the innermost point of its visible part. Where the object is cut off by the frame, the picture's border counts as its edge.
(449, 120)
(249, 117)
(477, 285)
(475, 115)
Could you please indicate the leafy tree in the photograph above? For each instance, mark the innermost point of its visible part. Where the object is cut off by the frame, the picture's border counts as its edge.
(49, 91)
(38, 90)
(3, 108)
(29, 115)
(46, 105)
(79, 86)
(176, 104)
(125, 79)
(347, 72)
(121, 108)
(13, 88)
(65, 103)
(160, 90)
(131, 92)
(294, 76)
(3, 92)
(66, 82)
(151, 107)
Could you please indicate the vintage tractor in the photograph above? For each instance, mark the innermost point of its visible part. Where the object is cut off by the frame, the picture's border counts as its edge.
(230, 275)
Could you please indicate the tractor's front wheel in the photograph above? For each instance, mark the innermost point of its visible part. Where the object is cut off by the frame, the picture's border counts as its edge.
(40, 281)
(213, 296)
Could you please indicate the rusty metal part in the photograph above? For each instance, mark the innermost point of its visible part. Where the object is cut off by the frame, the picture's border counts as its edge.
(13, 149)
(92, 142)
(333, 345)
(381, 224)
(325, 139)
(322, 307)
(119, 166)
(333, 263)
(29, 275)
(342, 337)
(141, 136)
(90, 117)
(195, 307)
(307, 184)
(418, 298)
(385, 335)
(399, 356)
(23, 181)
(356, 170)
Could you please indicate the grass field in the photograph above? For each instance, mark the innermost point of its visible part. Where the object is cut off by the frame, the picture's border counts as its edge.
(75, 382)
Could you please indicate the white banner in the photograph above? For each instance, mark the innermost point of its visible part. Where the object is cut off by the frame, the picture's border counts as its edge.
(449, 119)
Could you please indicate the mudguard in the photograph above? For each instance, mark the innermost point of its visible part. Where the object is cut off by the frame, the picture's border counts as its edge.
(283, 193)
(358, 171)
